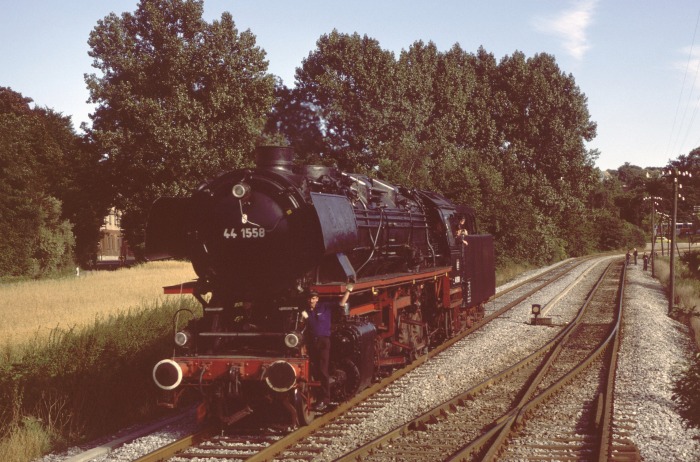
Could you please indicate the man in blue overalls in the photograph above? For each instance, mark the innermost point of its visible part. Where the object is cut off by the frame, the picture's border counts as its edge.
(318, 320)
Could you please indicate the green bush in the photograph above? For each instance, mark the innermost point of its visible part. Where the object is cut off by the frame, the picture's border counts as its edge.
(691, 268)
(84, 383)
(614, 233)
(686, 388)
(686, 392)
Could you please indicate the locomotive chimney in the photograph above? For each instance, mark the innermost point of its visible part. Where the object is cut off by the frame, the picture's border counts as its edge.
(274, 158)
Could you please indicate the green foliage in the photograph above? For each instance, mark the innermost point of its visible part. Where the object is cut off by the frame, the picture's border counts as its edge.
(480, 132)
(614, 233)
(686, 388)
(99, 377)
(36, 148)
(86, 197)
(55, 239)
(407, 162)
(349, 80)
(691, 185)
(178, 101)
(691, 265)
(686, 392)
(29, 439)
(292, 122)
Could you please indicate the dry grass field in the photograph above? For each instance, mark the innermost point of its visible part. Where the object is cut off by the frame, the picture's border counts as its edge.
(32, 309)
(116, 324)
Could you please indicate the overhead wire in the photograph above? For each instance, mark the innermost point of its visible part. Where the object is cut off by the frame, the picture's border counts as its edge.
(680, 97)
(695, 110)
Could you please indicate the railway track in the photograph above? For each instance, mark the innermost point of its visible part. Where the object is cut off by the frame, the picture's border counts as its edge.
(309, 443)
(515, 421)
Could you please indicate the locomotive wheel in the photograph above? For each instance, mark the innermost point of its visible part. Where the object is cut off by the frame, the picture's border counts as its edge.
(442, 329)
(481, 311)
(418, 335)
(303, 405)
(351, 382)
(413, 335)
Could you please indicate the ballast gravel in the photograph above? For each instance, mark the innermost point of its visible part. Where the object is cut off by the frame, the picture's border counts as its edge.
(653, 349)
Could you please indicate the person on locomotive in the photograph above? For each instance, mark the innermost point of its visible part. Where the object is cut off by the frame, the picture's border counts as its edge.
(318, 321)
(462, 230)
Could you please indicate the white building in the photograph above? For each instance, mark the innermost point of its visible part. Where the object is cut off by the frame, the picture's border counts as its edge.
(112, 246)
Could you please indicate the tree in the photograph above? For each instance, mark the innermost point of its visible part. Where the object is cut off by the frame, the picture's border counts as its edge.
(417, 96)
(86, 199)
(349, 81)
(547, 115)
(544, 122)
(480, 132)
(691, 185)
(409, 153)
(178, 101)
(34, 143)
(297, 123)
(634, 186)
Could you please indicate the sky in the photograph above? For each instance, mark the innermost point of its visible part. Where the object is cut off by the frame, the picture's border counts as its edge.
(637, 61)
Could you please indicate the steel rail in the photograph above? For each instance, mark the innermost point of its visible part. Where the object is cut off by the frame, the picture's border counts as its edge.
(431, 415)
(497, 435)
(179, 445)
(283, 444)
(289, 440)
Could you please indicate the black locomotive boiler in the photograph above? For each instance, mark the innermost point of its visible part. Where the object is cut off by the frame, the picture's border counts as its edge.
(261, 238)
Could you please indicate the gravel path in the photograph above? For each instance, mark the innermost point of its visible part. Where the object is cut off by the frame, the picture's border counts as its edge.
(653, 347)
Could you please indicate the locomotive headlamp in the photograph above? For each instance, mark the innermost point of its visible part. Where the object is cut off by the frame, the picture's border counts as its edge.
(240, 190)
(349, 286)
(292, 340)
(182, 338)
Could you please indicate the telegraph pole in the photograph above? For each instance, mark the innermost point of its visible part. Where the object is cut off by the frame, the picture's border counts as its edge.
(653, 231)
(674, 174)
(673, 243)
(653, 200)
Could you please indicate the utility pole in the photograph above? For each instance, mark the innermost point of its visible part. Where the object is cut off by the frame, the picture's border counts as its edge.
(674, 174)
(673, 244)
(653, 200)
(653, 236)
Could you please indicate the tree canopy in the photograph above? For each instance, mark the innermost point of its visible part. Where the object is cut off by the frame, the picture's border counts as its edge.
(479, 131)
(178, 100)
(37, 148)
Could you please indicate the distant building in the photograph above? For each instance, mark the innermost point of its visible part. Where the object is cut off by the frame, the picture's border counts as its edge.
(112, 246)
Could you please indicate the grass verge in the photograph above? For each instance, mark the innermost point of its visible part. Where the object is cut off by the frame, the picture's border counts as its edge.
(84, 382)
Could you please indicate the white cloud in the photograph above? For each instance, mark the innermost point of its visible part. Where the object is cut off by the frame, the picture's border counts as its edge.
(570, 25)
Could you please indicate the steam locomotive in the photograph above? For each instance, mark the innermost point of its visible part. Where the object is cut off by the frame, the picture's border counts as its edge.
(260, 239)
